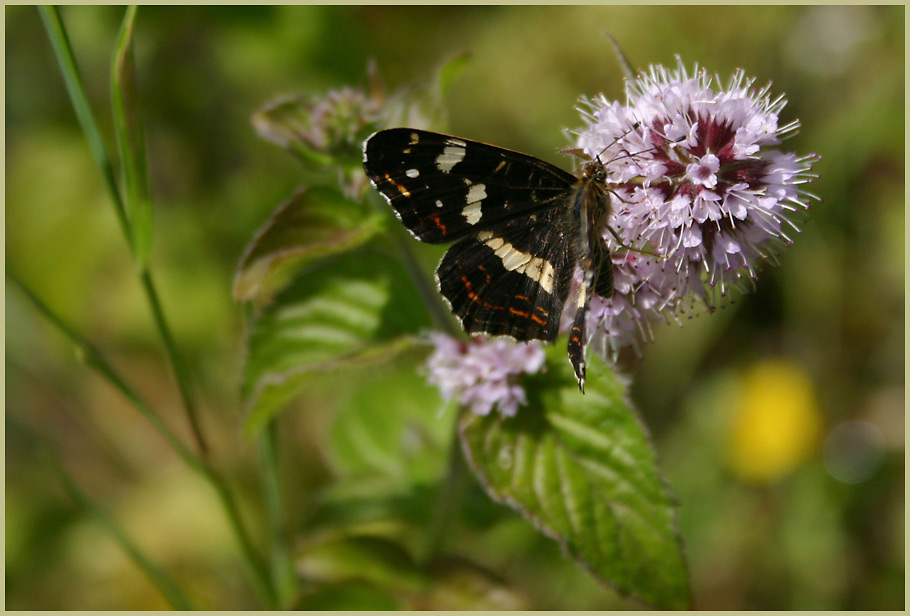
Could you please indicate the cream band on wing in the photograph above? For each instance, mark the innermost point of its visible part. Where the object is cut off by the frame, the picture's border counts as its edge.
(537, 269)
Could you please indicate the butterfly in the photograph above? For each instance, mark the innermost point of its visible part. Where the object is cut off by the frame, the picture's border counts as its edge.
(521, 227)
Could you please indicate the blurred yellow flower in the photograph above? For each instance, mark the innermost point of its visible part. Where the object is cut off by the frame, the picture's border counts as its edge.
(776, 422)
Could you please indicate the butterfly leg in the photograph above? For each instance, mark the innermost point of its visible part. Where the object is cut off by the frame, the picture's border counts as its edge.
(632, 249)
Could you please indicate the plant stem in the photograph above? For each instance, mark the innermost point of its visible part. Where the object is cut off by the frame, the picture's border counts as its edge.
(439, 312)
(181, 374)
(92, 358)
(454, 483)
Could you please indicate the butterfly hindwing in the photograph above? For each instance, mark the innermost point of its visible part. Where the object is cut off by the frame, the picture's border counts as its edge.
(446, 188)
(513, 281)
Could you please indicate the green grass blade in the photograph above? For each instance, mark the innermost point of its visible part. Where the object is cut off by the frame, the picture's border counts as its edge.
(131, 141)
(131, 145)
(67, 61)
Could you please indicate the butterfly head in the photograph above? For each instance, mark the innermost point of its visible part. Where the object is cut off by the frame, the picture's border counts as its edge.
(594, 171)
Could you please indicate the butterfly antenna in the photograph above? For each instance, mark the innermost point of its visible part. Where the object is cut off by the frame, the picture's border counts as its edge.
(628, 154)
(616, 140)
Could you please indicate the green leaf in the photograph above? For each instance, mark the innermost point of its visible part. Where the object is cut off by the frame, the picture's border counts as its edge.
(131, 142)
(356, 307)
(313, 223)
(580, 467)
(393, 426)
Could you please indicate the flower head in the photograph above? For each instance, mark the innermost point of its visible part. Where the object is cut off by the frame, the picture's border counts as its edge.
(482, 372)
(329, 122)
(327, 129)
(695, 178)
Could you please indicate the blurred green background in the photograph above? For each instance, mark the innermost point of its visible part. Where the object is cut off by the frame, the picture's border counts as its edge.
(779, 420)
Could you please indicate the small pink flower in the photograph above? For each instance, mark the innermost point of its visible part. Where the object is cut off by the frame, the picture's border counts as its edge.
(483, 372)
(702, 171)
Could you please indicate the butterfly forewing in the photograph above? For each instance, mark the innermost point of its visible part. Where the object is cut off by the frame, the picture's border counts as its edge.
(445, 188)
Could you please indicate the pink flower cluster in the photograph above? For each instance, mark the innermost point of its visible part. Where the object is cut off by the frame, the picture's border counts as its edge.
(696, 178)
(481, 372)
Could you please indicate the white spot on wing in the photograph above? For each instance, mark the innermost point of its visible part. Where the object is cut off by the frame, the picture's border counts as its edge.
(472, 213)
(451, 155)
(438, 203)
(477, 193)
(412, 173)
